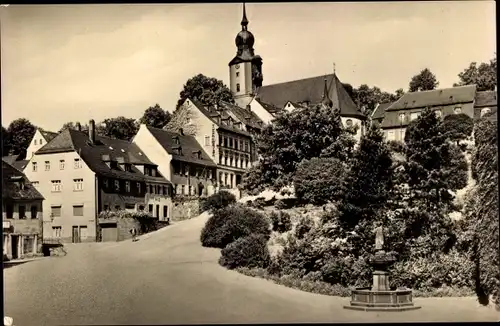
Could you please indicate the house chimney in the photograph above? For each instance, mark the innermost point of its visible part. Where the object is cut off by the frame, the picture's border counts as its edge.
(181, 131)
(78, 126)
(92, 131)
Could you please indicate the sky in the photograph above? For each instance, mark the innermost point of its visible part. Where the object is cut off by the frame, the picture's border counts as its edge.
(63, 63)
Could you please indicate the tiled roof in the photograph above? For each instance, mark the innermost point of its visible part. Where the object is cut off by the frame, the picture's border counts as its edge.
(20, 165)
(188, 144)
(437, 97)
(104, 147)
(246, 117)
(48, 135)
(12, 190)
(310, 90)
(269, 107)
(10, 159)
(485, 99)
(379, 111)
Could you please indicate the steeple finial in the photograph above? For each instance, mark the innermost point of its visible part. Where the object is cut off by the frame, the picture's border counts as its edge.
(244, 20)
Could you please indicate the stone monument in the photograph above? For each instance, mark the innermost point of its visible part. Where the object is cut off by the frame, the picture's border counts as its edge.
(380, 297)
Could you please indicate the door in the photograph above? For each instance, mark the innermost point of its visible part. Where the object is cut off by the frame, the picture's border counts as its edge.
(14, 240)
(76, 234)
(109, 233)
(157, 211)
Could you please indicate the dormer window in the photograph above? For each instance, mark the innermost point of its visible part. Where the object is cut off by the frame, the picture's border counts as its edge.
(177, 150)
(197, 154)
(176, 140)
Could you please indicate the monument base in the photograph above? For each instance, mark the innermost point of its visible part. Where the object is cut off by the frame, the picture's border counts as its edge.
(366, 299)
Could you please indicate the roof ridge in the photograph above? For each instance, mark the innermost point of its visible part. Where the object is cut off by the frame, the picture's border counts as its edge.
(302, 79)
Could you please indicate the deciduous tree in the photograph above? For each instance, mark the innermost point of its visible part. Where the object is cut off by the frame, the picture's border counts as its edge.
(423, 81)
(21, 132)
(118, 128)
(208, 91)
(155, 117)
(484, 75)
(5, 142)
(457, 126)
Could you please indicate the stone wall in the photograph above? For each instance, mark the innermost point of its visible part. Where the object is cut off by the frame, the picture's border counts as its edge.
(184, 210)
(124, 225)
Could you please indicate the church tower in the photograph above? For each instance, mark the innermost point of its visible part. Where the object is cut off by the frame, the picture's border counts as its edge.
(245, 70)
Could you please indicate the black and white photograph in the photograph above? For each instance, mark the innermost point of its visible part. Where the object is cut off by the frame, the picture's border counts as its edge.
(249, 162)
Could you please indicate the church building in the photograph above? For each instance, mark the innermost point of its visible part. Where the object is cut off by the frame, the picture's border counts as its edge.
(246, 84)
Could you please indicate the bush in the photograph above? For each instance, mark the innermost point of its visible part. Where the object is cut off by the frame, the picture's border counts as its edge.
(279, 204)
(250, 251)
(303, 227)
(280, 221)
(218, 200)
(231, 223)
(319, 180)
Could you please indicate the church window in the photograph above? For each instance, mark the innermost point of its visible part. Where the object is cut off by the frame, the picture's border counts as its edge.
(237, 87)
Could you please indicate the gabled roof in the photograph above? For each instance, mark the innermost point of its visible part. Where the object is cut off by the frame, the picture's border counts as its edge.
(20, 165)
(48, 135)
(485, 99)
(379, 111)
(12, 190)
(104, 149)
(269, 107)
(10, 159)
(246, 117)
(310, 90)
(437, 97)
(188, 144)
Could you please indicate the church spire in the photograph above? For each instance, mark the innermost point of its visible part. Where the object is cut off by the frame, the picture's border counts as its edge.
(244, 20)
(326, 98)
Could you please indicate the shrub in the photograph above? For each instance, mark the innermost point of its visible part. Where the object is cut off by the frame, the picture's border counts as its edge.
(218, 200)
(231, 223)
(303, 227)
(279, 204)
(259, 202)
(280, 221)
(319, 180)
(396, 146)
(250, 251)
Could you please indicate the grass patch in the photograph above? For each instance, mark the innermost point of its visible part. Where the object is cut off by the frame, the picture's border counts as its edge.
(336, 290)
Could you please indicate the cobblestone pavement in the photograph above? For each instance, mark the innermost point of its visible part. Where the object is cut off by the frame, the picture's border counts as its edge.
(167, 277)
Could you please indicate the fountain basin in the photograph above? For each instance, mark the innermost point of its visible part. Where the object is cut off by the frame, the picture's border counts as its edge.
(366, 299)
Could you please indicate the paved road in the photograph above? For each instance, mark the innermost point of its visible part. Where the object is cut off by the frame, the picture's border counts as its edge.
(167, 277)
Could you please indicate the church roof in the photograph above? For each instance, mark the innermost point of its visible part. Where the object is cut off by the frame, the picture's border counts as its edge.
(310, 90)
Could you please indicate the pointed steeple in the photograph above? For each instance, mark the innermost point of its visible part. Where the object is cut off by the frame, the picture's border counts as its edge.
(244, 20)
(326, 98)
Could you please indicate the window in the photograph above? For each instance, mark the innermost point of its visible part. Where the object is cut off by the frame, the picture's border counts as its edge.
(83, 232)
(247, 147)
(485, 111)
(190, 190)
(246, 162)
(165, 190)
(438, 114)
(55, 211)
(390, 135)
(35, 141)
(150, 208)
(414, 115)
(165, 211)
(106, 207)
(231, 142)
(56, 186)
(183, 189)
(237, 75)
(36, 184)
(56, 231)
(77, 210)
(220, 140)
(237, 87)
(157, 211)
(34, 211)
(117, 185)
(129, 206)
(138, 187)
(225, 160)
(225, 141)
(22, 211)
(401, 117)
(35, 167)
(207, 140)
(403, 132)
(117, 207)
(127, 186)
(105, 183)
(28, 242)
(9, 210)
(457, 110)
(41, 141)
(77, 184)
(78, 163)
(348, 123)
(141, 207)
(61, 165)
(47, 165)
